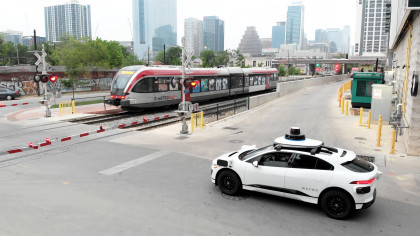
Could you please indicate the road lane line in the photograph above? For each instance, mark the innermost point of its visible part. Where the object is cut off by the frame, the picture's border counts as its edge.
(133, 163)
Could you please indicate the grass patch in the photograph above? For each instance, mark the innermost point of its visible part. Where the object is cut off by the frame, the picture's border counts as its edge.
(82, 103)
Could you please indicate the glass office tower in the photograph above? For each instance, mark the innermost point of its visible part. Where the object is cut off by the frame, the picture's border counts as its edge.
(154, 25)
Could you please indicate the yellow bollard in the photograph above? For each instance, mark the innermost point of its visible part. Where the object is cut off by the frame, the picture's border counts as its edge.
(394, 135)
(192, 121)
(347, 108)
(342, 107)
(202, 119)
(369, 119)
(361, 116)
(378, 143)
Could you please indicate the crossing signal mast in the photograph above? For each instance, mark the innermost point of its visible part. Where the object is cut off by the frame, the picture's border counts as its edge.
(44, 77)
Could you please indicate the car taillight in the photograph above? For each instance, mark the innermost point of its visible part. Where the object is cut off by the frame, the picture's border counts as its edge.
(122, 97)
(112, 96)
(17, 92)
(363, 181)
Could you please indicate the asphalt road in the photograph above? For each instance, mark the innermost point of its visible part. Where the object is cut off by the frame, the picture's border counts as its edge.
(158, 183)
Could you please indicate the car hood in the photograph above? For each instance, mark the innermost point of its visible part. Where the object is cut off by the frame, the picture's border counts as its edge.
(229, 156)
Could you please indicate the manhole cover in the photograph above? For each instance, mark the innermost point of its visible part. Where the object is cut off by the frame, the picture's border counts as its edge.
(235, 198)
(231, 128)
(236, 141)
(367, 158)
(359, 138)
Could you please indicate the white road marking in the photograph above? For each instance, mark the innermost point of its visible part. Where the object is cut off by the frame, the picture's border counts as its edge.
(133, 163)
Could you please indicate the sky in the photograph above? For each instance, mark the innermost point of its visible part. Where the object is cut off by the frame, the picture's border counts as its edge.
(111, 19)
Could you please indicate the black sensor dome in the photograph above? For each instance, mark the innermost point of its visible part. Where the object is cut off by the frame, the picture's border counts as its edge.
(295, 134)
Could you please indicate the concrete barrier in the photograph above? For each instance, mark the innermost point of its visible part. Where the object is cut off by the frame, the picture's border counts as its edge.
(291, 87)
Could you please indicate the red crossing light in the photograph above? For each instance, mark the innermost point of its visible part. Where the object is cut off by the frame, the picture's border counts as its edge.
(53, 78)
(194, 83)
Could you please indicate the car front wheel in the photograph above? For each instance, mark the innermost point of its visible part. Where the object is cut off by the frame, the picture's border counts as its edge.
(9, 97)
(337, 204)
(229, 183)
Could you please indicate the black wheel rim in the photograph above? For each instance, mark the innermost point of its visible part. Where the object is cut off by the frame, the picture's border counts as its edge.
(228, 183)
(337, 206)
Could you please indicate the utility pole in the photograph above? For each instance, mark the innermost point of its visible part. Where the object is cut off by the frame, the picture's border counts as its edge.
(164, 54)
(17, 53)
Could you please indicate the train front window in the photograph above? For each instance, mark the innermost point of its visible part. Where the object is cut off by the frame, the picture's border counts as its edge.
(121, 80)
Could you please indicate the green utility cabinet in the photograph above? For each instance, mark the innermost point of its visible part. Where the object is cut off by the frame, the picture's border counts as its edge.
(361, 88)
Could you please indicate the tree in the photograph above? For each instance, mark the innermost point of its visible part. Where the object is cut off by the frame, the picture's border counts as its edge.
(173, 56)
(222, 58)
(282, 70)
(240, 61)
(115, 54)
(208, 57)
(70, 53)
(260, 64)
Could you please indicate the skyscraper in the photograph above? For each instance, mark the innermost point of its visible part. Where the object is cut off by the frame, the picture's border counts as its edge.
(154, 24)
(371, 38)
(321, 36)
(193, 33)
(250, 42)
(72, 19)
(278, 34)
(214, 33)
(294, 25)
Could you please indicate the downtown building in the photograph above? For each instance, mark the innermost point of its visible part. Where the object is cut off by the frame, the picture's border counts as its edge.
(154, 26)
(338, 40)
(12, 36)
(295, 24)
(370, 35)
(70, 19)
(278, 34)
(250, 42)
(214, 33)
(193, 35)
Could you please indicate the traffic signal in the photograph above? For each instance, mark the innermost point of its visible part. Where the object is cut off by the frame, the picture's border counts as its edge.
(44, 78)
(337, 67)
(187, 82)
(53, 78)
(317, 69)
(317, 65)
(194, 83)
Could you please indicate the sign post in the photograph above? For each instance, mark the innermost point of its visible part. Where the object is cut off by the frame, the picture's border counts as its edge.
(41, 59)
(186, 59)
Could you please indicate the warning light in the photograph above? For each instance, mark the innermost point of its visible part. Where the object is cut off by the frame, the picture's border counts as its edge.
(47, 140)
(53, 78)
(317, 69)
(31, 144)
(194, 83)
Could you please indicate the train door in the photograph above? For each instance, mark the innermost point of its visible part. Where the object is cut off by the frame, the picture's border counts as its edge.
(267, 81)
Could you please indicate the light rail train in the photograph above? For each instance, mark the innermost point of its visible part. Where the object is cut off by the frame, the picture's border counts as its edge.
(139, 87)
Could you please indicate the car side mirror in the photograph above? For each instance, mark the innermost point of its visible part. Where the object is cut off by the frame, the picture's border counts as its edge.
(255, 163)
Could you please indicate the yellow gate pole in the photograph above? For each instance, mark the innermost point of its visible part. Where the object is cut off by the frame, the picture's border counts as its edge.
(192, 121)
(202, 119)
(394, 134)
(342, 106)
(347, 108)
(369, 119)
(361, 116)
(378, 143)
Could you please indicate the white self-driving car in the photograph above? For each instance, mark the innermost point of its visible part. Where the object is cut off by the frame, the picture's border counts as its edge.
(302, 169)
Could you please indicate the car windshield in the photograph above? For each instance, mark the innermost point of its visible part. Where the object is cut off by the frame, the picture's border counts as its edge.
(247, 154)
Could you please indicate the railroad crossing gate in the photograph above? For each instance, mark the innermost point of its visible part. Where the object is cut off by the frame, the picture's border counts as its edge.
(197, 120)
(67, 107)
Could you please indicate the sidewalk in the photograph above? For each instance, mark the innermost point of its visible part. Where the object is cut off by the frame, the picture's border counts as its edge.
(39, 112)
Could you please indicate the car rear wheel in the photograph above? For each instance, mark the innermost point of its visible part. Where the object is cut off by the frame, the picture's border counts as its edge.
(9, 97)
(337, 204)
(229, 183)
